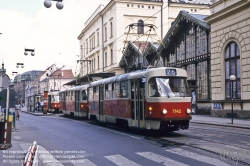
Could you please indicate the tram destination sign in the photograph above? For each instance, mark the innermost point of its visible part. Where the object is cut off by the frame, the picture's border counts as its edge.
(171, 72)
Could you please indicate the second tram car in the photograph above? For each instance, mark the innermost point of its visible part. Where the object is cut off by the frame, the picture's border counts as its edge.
(53, 102)
(157, 99)
(74, 101)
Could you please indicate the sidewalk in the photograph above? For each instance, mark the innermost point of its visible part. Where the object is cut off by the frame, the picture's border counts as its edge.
(24, 109)
(207, 119)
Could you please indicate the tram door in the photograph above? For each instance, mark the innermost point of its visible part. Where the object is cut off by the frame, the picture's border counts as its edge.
(137, 97)
(101, 98)
(77, 103)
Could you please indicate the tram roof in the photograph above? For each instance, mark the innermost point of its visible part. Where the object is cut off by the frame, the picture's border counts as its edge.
(85, 79)
(133, 75)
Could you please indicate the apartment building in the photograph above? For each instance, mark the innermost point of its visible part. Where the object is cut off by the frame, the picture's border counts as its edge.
(107, 31)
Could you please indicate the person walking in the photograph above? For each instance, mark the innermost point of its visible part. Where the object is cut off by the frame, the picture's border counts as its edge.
(17, 109)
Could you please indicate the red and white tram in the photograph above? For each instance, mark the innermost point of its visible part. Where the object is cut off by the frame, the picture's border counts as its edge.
(74, 101)
(53, 102)
(157, 98)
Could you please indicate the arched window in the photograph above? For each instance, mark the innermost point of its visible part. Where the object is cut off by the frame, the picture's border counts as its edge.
(232, 67)
(140, 27)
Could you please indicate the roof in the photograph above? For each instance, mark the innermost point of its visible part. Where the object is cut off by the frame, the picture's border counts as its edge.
(137, 46)
(64, 74)
(151, 47)
(197, 19)
(192, 1)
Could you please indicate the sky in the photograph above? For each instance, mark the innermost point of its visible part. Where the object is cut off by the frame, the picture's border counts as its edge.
(51, 32)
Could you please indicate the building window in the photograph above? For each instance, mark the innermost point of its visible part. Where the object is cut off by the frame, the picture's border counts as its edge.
(140, 27)
(94, 65)
(105, 33)
(98, 62)
(111, 29)
(84, 49)
(232, 67)
(97, 38)
(111, 55)
(81, 55)
(106, 59)
(86, 46)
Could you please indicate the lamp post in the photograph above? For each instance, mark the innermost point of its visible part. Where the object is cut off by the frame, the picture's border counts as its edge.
(26, 50)
(59, 4)
(232, 79)
(14, 73)
(20, 64)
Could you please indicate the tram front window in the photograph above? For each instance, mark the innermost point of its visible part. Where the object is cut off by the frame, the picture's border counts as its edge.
(168, 87)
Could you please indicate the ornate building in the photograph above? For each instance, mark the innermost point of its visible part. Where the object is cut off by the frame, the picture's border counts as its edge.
(230, 55)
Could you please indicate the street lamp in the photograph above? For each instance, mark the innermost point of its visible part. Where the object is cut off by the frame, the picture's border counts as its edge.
(232, 79)
(14, 73)
(20, 64)
(59, 4)
(26, 50)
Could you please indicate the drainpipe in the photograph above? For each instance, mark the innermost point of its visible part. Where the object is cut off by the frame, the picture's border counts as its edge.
(102, 43)
(162, 21)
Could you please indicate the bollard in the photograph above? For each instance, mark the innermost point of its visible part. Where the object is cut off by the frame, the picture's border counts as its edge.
(28, 160)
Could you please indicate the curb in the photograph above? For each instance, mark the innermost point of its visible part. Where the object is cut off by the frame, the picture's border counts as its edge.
(224, 125)
(38, 114)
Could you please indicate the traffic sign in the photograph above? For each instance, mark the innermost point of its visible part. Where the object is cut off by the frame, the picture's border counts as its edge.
(4, 81)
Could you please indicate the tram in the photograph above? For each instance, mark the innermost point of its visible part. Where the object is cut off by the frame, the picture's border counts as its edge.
(74, 101)
(53, 102)
(155, 99)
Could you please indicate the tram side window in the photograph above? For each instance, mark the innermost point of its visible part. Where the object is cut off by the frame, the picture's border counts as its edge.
(96, 93)
(116, 88)
(67, 96)
(84, 95)
(108, 91)
(72, 96)
(91, 93)
(124, 89)
(61, 96)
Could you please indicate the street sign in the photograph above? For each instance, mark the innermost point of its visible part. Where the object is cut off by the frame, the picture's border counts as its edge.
(144, 79)
(4, 81)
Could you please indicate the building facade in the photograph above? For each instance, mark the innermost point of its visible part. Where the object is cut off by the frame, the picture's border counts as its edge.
(230, 55)
(110, 28)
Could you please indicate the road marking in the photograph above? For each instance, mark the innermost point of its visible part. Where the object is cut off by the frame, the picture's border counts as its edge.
(196, 156)
(17, 137)
(121, 161)
(46, 158)
(160, 159)
(82, 162)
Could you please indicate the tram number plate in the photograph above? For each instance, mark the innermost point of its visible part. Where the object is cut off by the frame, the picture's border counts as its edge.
(176, 111)
(171, 72)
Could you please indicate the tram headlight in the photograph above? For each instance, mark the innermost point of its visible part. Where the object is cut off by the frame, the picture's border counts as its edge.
(189, 111)
(164, 111)
(150, 108)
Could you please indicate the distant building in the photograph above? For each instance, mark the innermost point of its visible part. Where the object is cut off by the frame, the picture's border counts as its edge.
(52, 79)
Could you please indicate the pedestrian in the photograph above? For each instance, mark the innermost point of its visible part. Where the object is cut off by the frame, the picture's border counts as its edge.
(37, 105)
(17, 109)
